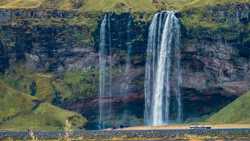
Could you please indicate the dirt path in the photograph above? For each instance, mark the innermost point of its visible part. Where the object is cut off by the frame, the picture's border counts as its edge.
(217, 126)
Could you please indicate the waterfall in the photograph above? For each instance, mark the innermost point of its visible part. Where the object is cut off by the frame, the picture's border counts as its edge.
(128, 59)
(163, 69)
(105, 80)
(179, 76)
(127, 80)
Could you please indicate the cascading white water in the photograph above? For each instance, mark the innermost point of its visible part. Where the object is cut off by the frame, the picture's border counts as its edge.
(178, 72)
(105, 62)
(125, 85)
(163, 54)
(128, 59)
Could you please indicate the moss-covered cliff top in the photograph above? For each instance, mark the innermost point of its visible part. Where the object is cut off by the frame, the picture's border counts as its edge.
(114, 5)
(78, 11)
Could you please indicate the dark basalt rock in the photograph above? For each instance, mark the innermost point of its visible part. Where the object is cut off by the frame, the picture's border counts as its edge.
(53, 49)
(4, 61)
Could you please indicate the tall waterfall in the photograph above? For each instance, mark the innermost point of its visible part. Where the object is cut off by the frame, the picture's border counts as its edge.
(105, 80)
(163, 70)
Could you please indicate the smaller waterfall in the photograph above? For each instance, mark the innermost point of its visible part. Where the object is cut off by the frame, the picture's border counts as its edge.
(105, 80)
(125, 86)
(178, 78)
(163, 69)
(128, 59)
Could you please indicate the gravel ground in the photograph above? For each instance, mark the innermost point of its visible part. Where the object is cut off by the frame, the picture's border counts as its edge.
(170, 133)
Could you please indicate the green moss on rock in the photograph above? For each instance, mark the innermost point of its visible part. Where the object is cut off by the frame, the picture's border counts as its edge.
(20, 111)
(82, 83)
(45, 117)
(13, 102)
(225, 21)
(236, 112)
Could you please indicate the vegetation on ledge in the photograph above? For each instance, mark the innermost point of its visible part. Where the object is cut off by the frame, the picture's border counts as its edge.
(196, 15)
(21, 111)
(115, 5)
(44, 117)
(236, 112)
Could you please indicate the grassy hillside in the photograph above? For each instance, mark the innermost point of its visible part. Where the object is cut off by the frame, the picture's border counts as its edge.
(73, 84)
(193, 11)
(12, 102)
(19, 111)
(20, 3)
(202, 3)
(110, 5)
(21, 80)
(236, 112)
(45, 117)
(107, 5)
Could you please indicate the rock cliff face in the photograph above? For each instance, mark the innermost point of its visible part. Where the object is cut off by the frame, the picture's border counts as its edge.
(216, 61)
(215, 57)
(53, 48)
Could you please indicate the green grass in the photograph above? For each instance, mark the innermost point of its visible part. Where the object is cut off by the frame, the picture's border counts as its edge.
(114, 5)
(48, 4)
(82, 83)
(193, 11)
(13, 102)
(236, 112)
(71, 85)
(45, 117)
(202, 3)
(18, 112)
(21, 79)
(17, 108)
(198, 18)
(20, 3)
(88, 5)
(44, 86)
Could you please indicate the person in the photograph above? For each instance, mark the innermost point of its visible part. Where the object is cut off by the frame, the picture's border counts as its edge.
(121, 126)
